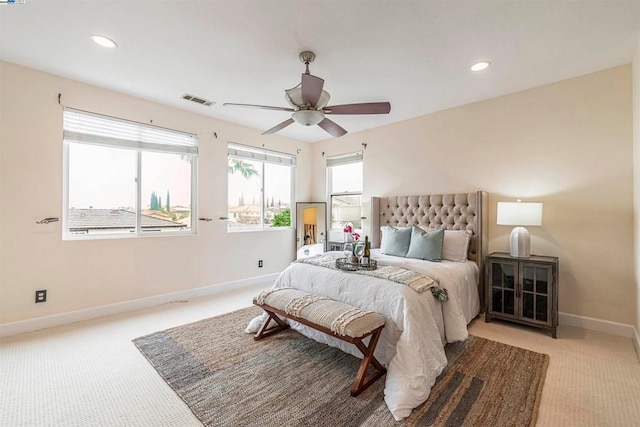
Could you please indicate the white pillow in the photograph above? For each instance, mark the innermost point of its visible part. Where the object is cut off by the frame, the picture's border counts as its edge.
(456, 245)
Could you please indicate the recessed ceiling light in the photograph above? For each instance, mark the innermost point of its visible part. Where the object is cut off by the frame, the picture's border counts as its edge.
(103, 41)
(479, 66)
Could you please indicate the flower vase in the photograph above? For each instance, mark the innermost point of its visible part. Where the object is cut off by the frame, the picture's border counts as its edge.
(348, 238)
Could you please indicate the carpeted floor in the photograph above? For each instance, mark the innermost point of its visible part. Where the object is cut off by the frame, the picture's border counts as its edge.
(227, 378)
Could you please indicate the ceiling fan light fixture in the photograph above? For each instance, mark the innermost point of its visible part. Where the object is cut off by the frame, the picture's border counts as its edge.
(308, 117)
(103, 41)
(479, 66)
(309, 102)
(294, 98)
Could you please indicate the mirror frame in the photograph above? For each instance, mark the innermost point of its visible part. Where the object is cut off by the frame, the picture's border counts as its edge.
(321, 219)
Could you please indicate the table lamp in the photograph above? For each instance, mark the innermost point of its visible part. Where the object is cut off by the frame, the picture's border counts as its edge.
(348, 214)
(519, 214)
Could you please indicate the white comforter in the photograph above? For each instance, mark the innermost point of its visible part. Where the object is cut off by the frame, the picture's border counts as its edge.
(412, 342)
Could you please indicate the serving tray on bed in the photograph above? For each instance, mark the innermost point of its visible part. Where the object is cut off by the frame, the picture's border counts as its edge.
(345, 264)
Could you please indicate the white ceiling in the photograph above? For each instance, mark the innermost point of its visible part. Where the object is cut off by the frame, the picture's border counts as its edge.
(414, 54)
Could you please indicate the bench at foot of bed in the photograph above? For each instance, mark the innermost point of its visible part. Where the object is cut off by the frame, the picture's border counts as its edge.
(342, 321)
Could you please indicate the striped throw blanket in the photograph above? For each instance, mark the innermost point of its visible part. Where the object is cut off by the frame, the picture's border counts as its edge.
(416, 281)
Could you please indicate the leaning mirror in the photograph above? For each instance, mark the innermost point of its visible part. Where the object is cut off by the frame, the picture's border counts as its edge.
(311, 228)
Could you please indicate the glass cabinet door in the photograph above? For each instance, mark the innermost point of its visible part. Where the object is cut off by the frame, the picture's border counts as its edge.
(503, 287)
(536, 293)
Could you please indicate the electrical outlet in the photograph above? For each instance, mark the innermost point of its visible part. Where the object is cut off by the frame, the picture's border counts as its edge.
(259, 263)
(41, 296)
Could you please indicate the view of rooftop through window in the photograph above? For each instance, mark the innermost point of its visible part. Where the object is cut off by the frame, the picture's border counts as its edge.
(102, 190)
(102, 185)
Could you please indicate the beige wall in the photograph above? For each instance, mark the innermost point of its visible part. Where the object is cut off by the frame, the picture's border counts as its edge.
(573, 139)
(568, 145)
(636, 175)
(80, 274)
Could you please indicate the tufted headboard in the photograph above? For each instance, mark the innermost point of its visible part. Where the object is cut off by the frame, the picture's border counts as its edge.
(456, 211)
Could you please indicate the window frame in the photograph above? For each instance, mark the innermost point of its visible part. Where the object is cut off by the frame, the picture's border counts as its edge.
(139, 150)
(340, 160)
(255, 154)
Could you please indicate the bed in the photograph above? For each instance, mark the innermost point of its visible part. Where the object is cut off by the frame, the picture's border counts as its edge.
(310, 250)
(417, 324)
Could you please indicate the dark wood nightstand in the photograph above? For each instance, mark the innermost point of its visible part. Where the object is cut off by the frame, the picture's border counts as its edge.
(523, 290)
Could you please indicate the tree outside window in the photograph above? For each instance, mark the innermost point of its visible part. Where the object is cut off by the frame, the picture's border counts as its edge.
(117, 173)
(259, 190)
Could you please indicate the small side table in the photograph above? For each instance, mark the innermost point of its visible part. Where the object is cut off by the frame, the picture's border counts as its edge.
(523, 290)
(335, 246)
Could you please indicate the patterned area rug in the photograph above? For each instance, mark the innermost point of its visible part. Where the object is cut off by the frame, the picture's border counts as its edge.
(228, 379)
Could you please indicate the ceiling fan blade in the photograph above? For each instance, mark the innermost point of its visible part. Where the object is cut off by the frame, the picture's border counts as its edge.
(364, 108)
(278, 127)
(311, 89)
(264, 107)
(332, 127)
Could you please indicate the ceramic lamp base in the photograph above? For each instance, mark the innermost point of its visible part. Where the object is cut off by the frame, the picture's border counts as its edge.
(519, 243)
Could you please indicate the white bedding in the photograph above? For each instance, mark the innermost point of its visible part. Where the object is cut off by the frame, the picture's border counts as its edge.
(461, 281)
(411, 345)
(310, 250)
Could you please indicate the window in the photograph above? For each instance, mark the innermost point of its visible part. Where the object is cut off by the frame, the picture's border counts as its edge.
(260, 188)
(344, 184)
(126, 178)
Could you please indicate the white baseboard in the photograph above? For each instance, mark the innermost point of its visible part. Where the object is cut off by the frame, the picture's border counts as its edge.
(636, 341)
(14, 328)
(592, 324)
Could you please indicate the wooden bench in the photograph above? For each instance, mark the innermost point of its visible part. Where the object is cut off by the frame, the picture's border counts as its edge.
(342, 321)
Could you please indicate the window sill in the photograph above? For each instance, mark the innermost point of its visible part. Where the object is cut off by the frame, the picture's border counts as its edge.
(80, 237)
(257, 230)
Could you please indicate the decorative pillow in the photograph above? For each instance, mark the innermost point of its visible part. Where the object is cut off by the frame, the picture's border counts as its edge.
(395, 241)
(456, 245)
(426, 244)
(382, 233)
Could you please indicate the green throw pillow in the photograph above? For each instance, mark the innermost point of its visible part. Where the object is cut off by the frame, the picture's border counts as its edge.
(426, 244)
(396, 240)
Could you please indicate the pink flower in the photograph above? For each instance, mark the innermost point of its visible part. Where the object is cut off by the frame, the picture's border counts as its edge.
(356, 236)
(348, 228)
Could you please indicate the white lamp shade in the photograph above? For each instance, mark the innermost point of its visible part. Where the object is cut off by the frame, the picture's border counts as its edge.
(348, 213)
(519, 213)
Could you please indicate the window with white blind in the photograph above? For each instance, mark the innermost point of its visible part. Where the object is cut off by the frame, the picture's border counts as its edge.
(124, 178)
(344, 185)
(260, 188)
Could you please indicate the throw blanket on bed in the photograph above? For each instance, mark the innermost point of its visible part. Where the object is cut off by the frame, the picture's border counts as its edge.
(416, 281)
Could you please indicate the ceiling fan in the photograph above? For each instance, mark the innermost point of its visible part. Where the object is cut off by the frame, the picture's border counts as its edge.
(309, 104)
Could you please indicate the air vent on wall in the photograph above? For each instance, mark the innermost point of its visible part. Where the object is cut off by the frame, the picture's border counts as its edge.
(197, 100)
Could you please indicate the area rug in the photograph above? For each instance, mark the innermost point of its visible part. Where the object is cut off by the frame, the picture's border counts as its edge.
(228, 379)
